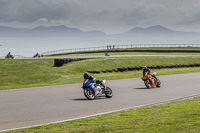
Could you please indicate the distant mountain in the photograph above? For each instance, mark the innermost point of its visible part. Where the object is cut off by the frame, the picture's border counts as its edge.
(156, 31)
(11, 32)
(51, 31)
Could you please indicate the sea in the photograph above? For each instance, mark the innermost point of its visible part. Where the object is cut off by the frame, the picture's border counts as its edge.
(27, 47)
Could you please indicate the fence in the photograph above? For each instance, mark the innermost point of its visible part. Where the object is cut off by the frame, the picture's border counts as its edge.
(118, 47)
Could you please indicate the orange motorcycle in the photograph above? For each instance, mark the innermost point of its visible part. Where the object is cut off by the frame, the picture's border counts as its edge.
(150, 80)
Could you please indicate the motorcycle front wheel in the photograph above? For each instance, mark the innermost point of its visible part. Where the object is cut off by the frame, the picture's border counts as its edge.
(108, 92)
(147, 84)
(89, 94)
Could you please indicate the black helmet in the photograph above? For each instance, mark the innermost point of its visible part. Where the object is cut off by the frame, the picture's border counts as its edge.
(86, 75)
(144, 67)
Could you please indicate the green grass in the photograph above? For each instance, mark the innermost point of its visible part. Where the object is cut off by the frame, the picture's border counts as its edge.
(40, 72)
(175, 117)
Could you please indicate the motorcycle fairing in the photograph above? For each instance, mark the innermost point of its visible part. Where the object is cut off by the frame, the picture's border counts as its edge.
(146, 76)
(87, 85)
(149, 77)
(153, 84)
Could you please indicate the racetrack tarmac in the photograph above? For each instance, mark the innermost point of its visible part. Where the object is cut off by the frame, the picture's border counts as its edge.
(20, 108)
(103, 56)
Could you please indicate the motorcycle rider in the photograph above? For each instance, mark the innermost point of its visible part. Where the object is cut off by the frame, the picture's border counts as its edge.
(91, 79)
(147, 70)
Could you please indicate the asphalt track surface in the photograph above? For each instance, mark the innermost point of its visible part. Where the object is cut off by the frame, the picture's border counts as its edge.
(21, 108)
(103, 56)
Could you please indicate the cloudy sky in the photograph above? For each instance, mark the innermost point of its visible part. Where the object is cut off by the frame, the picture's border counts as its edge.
(109, 16)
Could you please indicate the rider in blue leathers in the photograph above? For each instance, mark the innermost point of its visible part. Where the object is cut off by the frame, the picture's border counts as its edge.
(90, 81)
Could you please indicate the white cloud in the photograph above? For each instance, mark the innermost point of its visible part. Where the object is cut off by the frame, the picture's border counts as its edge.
(101, 14)
(42, 21)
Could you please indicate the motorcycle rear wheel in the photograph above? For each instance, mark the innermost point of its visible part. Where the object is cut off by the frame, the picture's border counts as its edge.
(89, 94)
(108, 92)
(158, 83)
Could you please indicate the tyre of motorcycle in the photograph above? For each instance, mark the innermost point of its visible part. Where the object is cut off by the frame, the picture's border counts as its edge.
(108, 92)
(89, 94)
(158, 83)
(147, 84)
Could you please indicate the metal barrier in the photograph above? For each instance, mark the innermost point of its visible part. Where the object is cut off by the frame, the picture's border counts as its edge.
(62, 51)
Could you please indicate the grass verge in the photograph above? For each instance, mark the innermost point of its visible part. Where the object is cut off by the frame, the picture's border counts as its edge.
(40, 72)
(174, 117)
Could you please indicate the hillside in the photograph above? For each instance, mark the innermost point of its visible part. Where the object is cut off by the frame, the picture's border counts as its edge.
(156, 31)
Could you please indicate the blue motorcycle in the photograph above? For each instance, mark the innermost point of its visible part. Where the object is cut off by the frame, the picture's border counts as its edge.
(99, 86)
